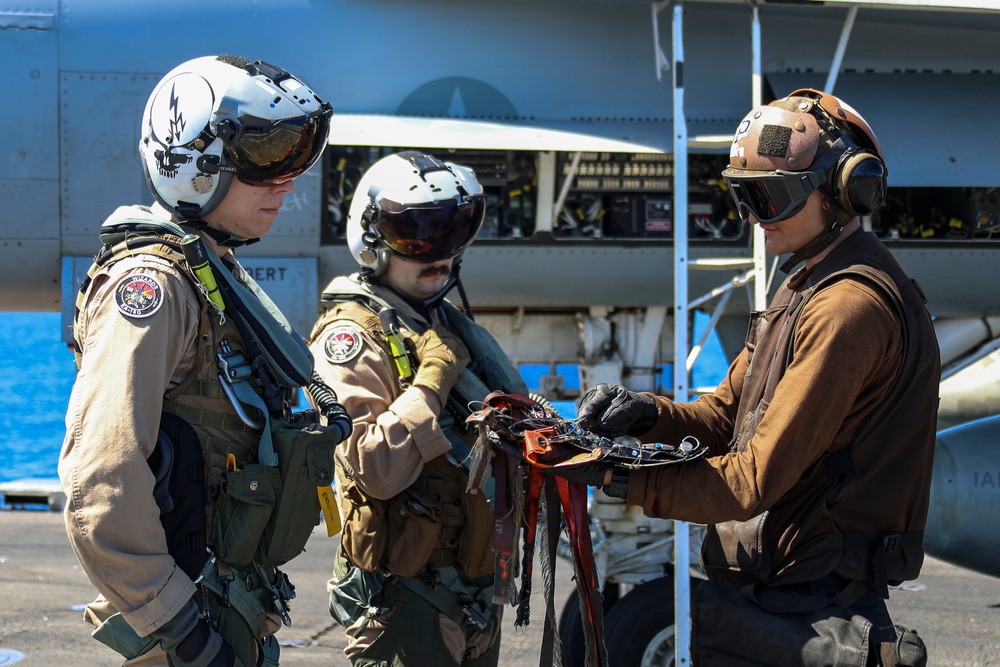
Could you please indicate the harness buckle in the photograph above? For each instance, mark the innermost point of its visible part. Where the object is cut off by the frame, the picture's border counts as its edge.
(233, 365)
(475, 618)
(889, 542)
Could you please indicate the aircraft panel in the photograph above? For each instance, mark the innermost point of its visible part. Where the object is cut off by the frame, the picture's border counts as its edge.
(30, 210)
(923, 122)
(99, 125)
(31, 109)
(28, 283)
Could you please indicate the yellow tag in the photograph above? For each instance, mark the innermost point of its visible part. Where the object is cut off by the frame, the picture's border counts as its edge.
(328, 503)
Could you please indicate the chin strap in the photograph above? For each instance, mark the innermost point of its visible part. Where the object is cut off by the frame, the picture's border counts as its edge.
(836, 220)
(423, 305)
(220, 237)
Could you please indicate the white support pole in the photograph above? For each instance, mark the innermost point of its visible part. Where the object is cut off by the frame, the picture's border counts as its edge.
(682, 554)
(757, 234)
(838, 57)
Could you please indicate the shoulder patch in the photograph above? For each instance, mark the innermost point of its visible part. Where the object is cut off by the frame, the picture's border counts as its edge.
(343, 343)
(138, 295)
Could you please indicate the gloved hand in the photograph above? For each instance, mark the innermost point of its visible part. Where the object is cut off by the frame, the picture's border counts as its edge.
(441, 357)
(612, 410)
(190, 641)
(591, 473)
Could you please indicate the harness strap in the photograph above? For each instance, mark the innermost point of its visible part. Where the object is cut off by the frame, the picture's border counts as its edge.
(879, 546)
(551, 644)
(449, 595)
(536, 479)
(574, 502)
(504, 530)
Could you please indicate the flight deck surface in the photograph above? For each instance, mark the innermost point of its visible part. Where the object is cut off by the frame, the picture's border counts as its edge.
(43, 590)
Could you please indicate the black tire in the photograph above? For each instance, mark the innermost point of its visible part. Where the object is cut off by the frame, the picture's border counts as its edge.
(638, 619)
(574, 650)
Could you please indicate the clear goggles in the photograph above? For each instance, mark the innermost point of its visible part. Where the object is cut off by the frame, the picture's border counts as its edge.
(267, 150)
(429, 233)
(771, 197)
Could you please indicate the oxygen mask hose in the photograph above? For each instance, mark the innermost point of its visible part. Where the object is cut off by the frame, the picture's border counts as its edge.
(326, 400)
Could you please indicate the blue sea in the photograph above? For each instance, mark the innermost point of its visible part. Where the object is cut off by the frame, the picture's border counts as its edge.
(37, 372)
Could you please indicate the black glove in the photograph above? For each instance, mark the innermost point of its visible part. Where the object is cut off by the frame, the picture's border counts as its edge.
(590, 473)
(612, 410)
(189, 641)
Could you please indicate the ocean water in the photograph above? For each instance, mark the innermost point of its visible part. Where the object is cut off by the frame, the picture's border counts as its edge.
(37, 372)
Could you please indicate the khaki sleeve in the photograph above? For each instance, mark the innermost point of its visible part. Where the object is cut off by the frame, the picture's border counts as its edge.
(847, 350)
(129, 361)
(395, 430)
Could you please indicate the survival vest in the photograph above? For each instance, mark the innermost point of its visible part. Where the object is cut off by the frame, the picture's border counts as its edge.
(436, 522)
(860, 511)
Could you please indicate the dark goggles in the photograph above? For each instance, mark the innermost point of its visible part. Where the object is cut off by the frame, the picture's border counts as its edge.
(432, 232)
(771, 197)
(280, 150)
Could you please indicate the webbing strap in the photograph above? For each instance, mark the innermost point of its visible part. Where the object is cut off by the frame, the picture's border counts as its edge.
(536, 480)
(551, 644)
(237, 596)
(245, 394)
(449, 595)
(504, 530)
(574, 502)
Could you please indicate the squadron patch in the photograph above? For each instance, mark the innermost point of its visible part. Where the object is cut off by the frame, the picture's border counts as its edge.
(138, 295)
(343, 344)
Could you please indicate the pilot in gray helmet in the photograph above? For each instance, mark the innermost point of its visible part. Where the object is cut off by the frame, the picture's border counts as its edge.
(184, 493)
(821, 436)
(413, 581)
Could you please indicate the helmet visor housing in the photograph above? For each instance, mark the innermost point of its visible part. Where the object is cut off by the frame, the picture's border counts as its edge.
(431, 232)
(771, 197)
(273, 126)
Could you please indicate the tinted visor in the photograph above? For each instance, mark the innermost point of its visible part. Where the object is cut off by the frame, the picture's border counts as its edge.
(770, 197)
(278, 151)
(431, 232)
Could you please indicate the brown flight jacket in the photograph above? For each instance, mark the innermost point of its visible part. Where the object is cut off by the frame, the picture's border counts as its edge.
(822, 432)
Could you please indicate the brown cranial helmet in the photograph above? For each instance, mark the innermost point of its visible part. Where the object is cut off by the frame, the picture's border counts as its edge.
(784, 151)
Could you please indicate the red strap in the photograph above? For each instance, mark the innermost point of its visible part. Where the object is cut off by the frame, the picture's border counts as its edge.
(574, 502)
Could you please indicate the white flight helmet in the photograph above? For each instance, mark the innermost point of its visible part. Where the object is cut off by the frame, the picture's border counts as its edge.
(217, 117)
(413, 205)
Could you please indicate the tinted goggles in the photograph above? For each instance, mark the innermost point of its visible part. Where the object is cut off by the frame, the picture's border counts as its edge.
(281, 150)
(771, 197)
(432, 233)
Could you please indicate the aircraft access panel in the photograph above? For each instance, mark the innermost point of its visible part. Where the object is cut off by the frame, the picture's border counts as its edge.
(612, 196)
(629, 197)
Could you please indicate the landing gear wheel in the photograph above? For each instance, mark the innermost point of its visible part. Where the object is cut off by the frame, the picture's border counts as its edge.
(574, 648)
(639, 630)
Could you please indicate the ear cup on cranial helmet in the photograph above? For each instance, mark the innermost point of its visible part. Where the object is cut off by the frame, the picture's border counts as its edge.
(859, 182)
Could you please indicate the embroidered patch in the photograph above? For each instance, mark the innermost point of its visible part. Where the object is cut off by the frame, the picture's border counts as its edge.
(343, 344)
(138, 295)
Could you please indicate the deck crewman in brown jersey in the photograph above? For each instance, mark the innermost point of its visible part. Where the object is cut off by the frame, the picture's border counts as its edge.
(823, 430)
